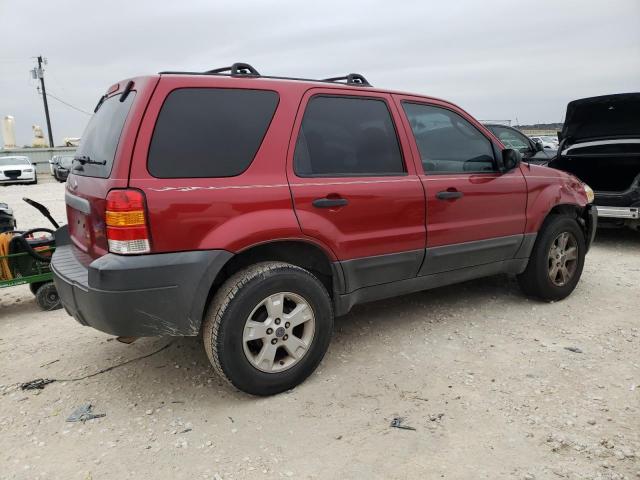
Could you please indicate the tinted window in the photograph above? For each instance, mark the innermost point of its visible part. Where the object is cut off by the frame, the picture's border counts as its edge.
(347, 136)
(447, 142)
(100, 138)
(209, 132)
(510, 138)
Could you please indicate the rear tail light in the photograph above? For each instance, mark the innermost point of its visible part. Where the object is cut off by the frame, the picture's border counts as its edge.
(126, 220)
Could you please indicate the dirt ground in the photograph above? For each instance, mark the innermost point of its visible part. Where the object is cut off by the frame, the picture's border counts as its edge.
(482, 374)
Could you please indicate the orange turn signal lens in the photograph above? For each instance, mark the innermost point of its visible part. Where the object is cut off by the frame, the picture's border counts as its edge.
(125, 219)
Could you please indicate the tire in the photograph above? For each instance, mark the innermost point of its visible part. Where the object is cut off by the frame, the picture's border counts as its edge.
(35, 286)
(47, 297)
(245, 297)
(536, 281)
(35, 180)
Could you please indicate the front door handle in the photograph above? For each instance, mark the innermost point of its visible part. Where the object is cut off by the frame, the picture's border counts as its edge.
(449, 195)
(330, 202)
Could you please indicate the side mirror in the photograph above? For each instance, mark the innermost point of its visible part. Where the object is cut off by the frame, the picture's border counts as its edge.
(539, 147)
(510, 159)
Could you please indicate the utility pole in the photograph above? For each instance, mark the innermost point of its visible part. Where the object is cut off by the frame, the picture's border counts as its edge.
(39, 73)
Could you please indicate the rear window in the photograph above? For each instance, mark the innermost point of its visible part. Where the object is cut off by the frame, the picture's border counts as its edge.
(100, 138)
(209, 132)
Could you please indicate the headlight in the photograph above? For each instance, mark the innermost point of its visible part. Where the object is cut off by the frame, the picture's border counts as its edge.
(28, 170)
(589, 191)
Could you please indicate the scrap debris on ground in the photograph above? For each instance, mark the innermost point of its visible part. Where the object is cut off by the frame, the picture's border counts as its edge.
(84, 413)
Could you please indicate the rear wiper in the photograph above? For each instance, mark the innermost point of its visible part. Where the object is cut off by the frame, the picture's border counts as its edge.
(85, 159)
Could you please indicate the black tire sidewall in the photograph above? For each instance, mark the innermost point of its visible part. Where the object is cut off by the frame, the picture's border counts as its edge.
(34, 287)
(555, 226)
(231, 354)
(42, 297)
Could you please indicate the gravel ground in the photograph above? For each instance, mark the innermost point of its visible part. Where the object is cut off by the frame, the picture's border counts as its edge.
(482, 374)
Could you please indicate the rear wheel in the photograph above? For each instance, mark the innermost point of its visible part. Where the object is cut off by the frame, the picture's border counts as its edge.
(557, 260)
(268, 327)
(47, 297)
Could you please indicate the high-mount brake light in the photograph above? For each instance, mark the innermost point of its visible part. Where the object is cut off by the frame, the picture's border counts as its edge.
(126, 221)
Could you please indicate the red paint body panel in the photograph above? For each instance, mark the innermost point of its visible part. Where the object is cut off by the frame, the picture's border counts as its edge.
(385, 214)
(493, 204)
(268, 202)
(548, 188)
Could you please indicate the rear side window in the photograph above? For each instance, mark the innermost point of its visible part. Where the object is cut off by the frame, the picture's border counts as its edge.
(347, 136)
(447, 142)
(100, 138)
(209, 132)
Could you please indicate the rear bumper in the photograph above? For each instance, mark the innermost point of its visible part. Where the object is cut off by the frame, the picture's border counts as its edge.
(632, 213)
(137, 296)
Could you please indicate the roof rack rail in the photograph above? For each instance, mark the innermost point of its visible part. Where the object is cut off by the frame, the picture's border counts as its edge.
(237, 69)
(351, 79)
(246, 70)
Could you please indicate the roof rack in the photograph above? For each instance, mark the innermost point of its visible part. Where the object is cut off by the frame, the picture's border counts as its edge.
(351, 79)
(237, 69)
(245, 70)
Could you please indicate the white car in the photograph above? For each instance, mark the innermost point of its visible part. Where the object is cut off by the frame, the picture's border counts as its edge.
(546, 141)
(17, 170)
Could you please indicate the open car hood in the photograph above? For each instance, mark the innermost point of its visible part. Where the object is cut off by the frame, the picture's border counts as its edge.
(604, 117)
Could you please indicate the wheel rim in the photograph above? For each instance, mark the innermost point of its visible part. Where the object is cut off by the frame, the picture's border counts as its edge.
(563, 259)
(278, 333)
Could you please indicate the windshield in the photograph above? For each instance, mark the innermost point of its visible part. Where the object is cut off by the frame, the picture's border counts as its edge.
(65, 161)
(7, 161)
(100, 138)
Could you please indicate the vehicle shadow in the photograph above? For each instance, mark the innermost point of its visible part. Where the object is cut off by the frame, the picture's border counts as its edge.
(182, 371)
(614, 238)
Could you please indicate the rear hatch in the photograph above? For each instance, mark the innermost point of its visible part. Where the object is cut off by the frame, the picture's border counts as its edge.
(102, 162)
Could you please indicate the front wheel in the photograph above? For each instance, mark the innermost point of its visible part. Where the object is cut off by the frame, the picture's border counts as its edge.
(268, 327)
(557, 260)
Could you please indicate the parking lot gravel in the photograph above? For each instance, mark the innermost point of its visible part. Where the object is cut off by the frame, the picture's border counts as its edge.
(495, 385)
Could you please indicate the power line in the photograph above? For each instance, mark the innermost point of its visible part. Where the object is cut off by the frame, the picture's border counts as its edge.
(49, 94)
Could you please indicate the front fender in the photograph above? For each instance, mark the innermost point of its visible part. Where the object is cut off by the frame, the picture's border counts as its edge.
(548, 189)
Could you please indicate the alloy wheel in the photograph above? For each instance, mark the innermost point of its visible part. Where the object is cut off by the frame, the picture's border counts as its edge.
(563, 259)
(278, 333)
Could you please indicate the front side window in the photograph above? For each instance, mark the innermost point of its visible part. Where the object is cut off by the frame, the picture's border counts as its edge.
(347, 136)
(511, 138)
(209, 132)
(447, 142)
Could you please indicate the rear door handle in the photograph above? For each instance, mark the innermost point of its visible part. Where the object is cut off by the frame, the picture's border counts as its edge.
(449, 195)
(330, 202)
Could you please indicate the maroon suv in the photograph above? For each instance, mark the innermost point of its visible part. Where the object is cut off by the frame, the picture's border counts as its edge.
(254, 209)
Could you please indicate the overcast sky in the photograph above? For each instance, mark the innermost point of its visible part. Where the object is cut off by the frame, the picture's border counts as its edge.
(498, 59)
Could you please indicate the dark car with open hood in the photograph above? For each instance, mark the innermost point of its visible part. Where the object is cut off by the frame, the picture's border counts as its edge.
(600, 144)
